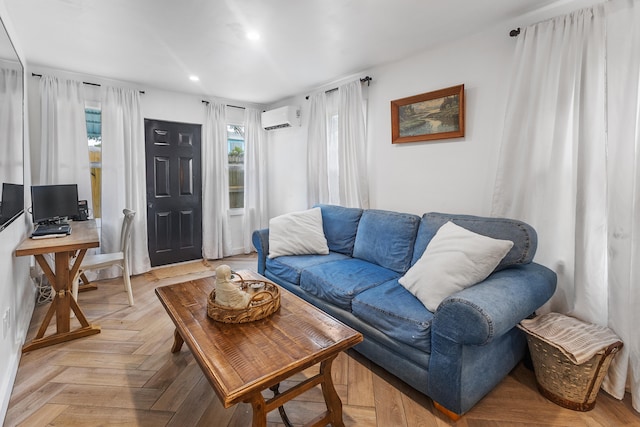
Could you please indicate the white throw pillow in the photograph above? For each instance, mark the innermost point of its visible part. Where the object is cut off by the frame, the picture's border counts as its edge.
(455, 259)
(297, 233)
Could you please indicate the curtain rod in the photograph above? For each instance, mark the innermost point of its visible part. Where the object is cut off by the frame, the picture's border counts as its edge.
(84, 83)
(228, 105)
(514, 33)
(366, 80)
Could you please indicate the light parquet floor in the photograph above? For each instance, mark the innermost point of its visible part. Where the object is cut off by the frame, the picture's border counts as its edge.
(127, 376)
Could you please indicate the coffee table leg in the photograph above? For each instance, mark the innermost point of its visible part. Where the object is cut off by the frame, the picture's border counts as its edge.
(334, 405)
(285, 419)
(177, 342)
(259, 410)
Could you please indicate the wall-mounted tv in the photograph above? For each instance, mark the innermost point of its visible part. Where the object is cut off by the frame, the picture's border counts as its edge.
(53, 203)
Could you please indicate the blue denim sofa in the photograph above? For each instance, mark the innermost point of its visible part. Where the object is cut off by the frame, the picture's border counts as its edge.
(455, 355)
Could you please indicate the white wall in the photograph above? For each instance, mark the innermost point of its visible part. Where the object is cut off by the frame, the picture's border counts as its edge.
(450, 175)
(17, 293)
(454, 175)
(287, 166)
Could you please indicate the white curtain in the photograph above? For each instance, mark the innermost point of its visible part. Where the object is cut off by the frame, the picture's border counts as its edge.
(123, 174)
(255, 177)
(11, 125)
(317, 179)
(333, 147)
(63, 147)
(352, 153)
(216, 237)
(623, 82)
(336, 153)
(569, 166)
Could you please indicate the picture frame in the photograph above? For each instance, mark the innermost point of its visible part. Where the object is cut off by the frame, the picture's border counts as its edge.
(428, 116)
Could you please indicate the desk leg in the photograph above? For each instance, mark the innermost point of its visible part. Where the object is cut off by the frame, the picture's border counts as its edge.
(62, 291)
(79, 314)
(61, 305)
(46, 321)
(87, 285)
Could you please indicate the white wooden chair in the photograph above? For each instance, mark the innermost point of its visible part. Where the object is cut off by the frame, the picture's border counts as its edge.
(121, 259)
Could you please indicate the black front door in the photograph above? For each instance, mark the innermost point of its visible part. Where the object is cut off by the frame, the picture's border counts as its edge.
(174, 191)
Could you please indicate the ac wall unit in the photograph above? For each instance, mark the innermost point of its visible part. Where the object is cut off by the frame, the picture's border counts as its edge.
(283, 117)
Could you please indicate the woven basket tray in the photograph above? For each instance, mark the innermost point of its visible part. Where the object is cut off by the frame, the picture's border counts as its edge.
(264, 302)
(565, 383)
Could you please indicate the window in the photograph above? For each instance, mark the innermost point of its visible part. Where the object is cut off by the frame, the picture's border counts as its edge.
(93, 118)
(235, 141)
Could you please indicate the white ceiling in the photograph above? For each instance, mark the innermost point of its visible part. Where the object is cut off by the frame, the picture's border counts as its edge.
(304, 44)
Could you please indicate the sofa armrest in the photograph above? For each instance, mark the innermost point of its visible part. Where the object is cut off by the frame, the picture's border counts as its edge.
(260, 239)
(479, 314)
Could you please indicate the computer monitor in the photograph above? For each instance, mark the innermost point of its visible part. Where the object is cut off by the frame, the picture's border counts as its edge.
(52, 203)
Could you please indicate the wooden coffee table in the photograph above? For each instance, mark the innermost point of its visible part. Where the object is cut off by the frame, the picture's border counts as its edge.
(242, 360)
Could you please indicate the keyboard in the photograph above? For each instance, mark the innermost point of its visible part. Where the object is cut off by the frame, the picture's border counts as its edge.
(49, 229)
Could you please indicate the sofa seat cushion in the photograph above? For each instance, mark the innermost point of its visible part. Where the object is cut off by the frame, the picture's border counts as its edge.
(386, 238)
(394, 311)
(339, 281)
(289, 267)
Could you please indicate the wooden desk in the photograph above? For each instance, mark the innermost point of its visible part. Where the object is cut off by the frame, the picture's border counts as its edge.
(242, 360)
(84, 235)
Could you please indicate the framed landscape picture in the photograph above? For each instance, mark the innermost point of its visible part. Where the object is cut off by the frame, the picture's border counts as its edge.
(428, 116)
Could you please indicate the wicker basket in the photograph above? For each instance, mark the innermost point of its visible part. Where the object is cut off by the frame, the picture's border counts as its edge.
(264, 302)
(565, 383)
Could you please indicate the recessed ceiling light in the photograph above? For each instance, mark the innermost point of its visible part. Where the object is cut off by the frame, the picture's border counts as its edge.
(194, 78)
(253, 35)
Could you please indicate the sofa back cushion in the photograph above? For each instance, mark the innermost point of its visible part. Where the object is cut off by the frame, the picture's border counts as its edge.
(523, 236)
(386, 238)
(340, 226)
